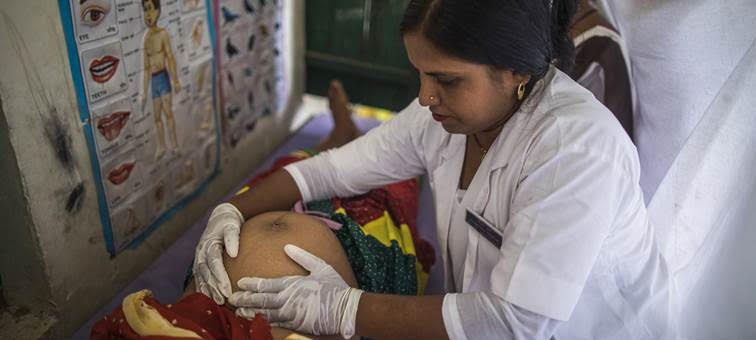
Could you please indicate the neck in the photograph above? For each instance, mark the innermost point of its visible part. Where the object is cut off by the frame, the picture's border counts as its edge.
(488, 136)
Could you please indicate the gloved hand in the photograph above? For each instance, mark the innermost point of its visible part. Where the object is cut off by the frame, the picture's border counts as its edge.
(222, 229)
(320, 303)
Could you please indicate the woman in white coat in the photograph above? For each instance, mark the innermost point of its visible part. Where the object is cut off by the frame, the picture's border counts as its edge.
(541, 219)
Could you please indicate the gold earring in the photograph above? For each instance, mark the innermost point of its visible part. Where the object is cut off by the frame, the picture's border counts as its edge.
(521, 91)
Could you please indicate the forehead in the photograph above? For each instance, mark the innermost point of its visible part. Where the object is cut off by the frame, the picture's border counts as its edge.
(427, 58)
(148, 4)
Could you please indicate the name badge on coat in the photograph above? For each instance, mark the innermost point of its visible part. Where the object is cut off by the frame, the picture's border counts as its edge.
(484, 227)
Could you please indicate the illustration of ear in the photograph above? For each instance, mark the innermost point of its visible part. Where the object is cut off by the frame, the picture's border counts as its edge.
(93, 12)
(110, 126)
(228, 16)
(132, 223)
(201, 72)
(197, 29)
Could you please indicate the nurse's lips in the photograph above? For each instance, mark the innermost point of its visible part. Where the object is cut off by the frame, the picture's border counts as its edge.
(121, 173)
(103, 69)
(439, 118)
(110, 126)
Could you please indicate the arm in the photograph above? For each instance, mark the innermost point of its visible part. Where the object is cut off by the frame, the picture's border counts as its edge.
(276, 192)
(147, 75)
(400, 317)
(322, 303)
(170, 61)
(479, 315)
(387, 154)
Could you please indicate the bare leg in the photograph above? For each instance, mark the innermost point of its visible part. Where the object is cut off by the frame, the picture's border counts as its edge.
(167, 100)
(156, 111)
(344, 129)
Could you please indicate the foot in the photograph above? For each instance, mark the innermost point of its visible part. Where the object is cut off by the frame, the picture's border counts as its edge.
(160, 152)
(344, 129)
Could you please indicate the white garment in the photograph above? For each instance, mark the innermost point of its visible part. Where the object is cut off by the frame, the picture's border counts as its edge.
(561, 182)
(457, 242)
(704, 215)
(682, 52)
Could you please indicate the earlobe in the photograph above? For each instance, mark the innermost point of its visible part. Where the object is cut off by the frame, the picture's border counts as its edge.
(521, 78)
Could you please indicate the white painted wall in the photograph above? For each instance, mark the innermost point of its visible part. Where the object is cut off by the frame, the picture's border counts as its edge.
(54, 260)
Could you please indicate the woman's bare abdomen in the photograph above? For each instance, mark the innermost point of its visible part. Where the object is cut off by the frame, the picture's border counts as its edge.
(261, 245)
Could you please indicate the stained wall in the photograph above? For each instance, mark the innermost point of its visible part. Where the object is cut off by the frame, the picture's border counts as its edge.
(53, 258)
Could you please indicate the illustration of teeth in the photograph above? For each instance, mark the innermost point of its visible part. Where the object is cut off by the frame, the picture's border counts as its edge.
(102, 69)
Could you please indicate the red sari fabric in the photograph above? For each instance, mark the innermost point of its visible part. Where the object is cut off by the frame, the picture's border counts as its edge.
(195, 312)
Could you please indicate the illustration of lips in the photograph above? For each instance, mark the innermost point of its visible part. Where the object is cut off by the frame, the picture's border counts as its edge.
(104, 68)
(121, 173)
(110, 126)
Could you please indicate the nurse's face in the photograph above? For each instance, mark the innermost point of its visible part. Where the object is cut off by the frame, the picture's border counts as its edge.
(466, 98)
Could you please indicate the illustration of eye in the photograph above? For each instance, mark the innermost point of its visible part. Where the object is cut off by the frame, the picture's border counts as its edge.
(94, 12)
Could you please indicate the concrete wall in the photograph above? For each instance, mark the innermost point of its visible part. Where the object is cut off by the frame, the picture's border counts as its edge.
(52, 255)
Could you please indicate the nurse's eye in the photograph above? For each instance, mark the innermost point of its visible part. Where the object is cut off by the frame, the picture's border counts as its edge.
(446, 81)
(93, 15)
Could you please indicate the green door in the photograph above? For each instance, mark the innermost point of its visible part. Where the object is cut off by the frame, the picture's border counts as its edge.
(358, 42)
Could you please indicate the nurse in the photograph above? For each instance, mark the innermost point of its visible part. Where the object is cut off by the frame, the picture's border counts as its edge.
(541, 220)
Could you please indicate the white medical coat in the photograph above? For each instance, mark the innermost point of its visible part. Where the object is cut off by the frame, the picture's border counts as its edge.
(561, 183)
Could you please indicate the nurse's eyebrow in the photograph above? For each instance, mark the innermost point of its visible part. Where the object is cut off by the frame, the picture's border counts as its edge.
(82, 1)
(441, 74)
(435, 73)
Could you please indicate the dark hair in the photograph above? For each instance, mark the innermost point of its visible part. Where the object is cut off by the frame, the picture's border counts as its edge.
(155, 3)
(524, 36)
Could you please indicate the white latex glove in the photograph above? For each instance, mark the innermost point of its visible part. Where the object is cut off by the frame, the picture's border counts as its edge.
(222, 230)
(320, 303)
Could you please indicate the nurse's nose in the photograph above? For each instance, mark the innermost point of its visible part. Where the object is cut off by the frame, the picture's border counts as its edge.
(427, 95)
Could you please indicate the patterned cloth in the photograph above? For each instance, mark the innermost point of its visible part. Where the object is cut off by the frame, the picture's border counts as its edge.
(379, 233)
(194, 317)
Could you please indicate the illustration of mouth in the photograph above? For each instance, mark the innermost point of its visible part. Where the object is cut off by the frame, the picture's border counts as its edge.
(121, 173)
(111, 125)
(103, 69)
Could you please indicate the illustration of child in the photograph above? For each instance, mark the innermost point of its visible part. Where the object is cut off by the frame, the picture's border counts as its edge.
(160, 75)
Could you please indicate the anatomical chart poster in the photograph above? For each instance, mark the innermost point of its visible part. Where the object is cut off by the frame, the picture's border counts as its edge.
(144, 75)
(251, 69)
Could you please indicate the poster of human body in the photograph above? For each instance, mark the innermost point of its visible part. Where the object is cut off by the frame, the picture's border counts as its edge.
(144, 73)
